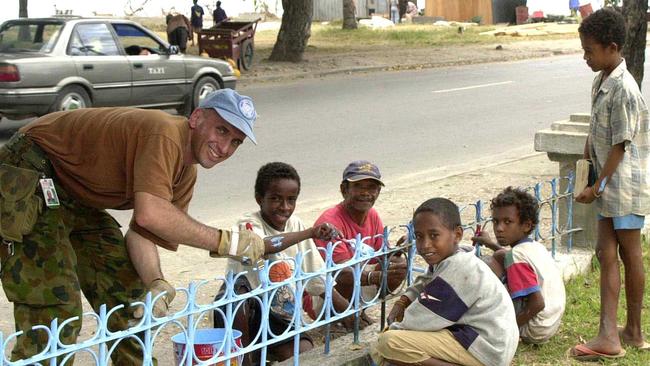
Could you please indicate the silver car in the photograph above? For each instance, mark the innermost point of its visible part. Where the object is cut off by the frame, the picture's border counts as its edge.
(54, 64)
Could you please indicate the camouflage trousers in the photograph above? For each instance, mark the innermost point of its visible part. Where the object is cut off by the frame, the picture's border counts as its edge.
(71, 248)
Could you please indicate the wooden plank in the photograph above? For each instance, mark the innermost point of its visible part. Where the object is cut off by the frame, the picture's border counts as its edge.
(460, 10)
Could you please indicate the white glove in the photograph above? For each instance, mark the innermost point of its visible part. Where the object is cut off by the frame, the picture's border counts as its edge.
(244, 246)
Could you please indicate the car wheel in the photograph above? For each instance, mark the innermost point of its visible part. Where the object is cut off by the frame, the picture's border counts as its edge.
(70, 98)
(203, 87)
(247, 55)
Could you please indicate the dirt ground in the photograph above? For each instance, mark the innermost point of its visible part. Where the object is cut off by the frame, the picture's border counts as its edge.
(320, 64)
(461, 183)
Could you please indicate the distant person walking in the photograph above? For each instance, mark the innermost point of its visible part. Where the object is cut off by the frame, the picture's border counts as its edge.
(179, 30)
(574, 5)
(394, 12)
(219, 15)
(402, 9)
(196, 18)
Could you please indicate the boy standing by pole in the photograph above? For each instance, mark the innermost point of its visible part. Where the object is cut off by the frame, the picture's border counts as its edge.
(618, 144)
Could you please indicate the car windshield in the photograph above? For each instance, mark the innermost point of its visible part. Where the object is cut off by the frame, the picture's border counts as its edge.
(29, 37)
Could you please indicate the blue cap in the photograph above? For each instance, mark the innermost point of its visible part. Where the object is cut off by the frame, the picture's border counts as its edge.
(360, 170)
(238, 110)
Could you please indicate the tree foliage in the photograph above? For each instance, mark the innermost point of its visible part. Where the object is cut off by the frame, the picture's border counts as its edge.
(131, 9)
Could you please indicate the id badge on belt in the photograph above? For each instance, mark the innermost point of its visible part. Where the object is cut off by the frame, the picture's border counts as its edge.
(49, 193)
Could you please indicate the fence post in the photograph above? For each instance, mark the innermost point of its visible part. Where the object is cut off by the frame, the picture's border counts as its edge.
(329, 282)
(411, 254)
(54, 339)
(569, 205)
(189, 345)
(384, 277)
(478, 219)
(554, 229)
(2, 351)
(297, 310)
(266, 308)
(103, 326)
(357, 287)
(538, 196)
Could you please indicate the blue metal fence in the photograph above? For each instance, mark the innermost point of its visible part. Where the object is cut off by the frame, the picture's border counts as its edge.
(148, 332)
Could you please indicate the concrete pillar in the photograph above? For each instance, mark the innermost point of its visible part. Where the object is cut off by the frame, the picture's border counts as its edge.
(564, 143)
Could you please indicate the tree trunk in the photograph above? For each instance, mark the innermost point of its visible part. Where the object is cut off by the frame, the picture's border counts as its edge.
(295, 31)
(22, 8)
(23, 30)
(349, 14)
(634, 12)
(402, 8)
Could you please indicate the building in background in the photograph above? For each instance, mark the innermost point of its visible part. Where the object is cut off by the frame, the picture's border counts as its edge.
(499, 11)
(460, 10)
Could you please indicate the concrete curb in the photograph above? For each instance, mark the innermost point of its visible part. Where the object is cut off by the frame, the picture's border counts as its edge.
(302, 75)
(387, 67)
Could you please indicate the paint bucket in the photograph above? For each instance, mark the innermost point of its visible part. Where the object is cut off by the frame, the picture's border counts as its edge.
(207, 343)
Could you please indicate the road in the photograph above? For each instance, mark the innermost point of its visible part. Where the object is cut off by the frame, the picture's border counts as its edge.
(411, 123)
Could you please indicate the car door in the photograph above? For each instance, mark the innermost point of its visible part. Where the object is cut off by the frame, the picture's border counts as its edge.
(98, 59)
(158, 78)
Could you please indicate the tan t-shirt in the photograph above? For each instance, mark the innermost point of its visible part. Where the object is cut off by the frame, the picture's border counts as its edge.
(102, 156)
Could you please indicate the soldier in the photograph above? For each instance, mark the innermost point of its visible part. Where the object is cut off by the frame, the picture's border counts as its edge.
(61, 172)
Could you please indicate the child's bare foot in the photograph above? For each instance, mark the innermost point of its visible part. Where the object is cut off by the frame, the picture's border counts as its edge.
(632, 338)
(365, 318)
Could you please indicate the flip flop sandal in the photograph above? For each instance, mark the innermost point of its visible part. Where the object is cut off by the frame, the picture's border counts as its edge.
(583, 353)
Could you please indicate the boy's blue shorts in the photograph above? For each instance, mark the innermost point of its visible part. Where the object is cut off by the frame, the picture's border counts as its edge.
(631, 221)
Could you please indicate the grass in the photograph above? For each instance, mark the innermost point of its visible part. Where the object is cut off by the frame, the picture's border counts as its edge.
(409, 35)
(580, 323)
(330, 38)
